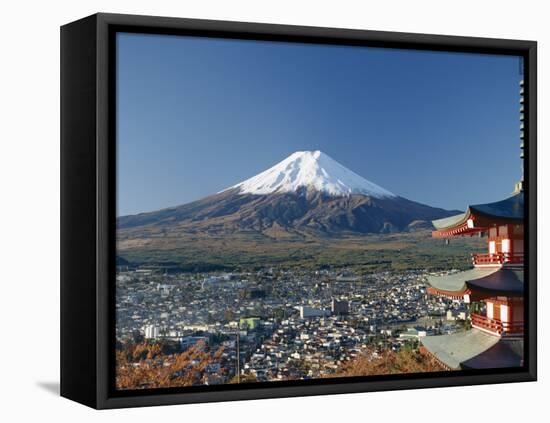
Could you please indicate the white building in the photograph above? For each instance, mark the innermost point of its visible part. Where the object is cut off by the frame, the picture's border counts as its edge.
(152, 332)
(306, 312)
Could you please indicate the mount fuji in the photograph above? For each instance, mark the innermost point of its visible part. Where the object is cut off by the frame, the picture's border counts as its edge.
(308, 193)
(312, 170)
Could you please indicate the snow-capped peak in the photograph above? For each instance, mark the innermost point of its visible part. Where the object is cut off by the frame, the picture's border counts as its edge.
(312, 170)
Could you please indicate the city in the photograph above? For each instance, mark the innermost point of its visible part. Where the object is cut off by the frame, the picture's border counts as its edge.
(282, 324)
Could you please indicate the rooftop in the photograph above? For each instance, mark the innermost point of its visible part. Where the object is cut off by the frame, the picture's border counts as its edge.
(504, 282)
(478, 217)
(456, 282)
(474, 349)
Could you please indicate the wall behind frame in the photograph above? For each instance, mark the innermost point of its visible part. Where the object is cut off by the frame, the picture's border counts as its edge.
(29, 171)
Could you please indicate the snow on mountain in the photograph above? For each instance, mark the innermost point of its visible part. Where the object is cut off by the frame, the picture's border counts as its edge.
(311, 170)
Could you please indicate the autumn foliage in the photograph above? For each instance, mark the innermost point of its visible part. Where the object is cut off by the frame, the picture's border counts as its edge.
(145, 365)
(388, 362)
(141, 366)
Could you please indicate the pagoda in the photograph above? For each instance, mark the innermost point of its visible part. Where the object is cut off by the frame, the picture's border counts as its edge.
(493, 287)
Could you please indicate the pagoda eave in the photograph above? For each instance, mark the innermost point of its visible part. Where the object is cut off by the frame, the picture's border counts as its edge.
(472, 224)
(473, 349)
(453, 285)
(503, 282)
(478, 218)
(478, 284)
(452, 295)
(457, 231)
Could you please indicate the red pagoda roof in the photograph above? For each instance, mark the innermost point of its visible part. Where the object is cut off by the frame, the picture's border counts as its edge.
(453, 285)
(478, 283)
(480, 217)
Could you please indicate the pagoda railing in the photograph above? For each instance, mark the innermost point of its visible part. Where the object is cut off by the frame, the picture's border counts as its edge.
(497, 258)
(496, 326)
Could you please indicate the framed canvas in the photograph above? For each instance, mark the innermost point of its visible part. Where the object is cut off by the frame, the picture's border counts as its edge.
(258, 211)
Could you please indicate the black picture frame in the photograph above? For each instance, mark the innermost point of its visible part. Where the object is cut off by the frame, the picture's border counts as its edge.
(88, 197)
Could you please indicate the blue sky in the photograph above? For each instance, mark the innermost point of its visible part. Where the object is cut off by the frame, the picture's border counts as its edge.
(196, 115)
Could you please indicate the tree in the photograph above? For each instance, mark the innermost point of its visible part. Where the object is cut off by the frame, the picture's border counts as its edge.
(388, 362)
(144, 366)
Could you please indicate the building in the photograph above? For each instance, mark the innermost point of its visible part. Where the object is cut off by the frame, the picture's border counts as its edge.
(151, 332)
(412, 334)
(306, 312)
(456, 315)
(250, 323)
(339, 307)
(255, 292)
(189, 341)
(493, 287)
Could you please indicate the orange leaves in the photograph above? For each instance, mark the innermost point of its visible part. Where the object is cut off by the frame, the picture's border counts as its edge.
(144, 366)
(388, 362)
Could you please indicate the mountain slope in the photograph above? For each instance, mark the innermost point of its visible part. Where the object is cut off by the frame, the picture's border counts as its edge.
(307, 193)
